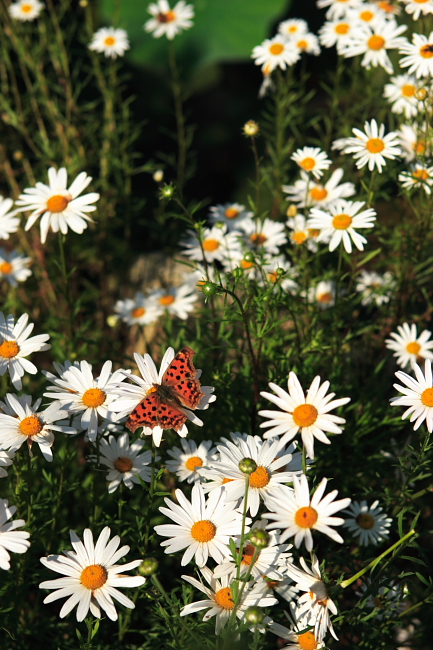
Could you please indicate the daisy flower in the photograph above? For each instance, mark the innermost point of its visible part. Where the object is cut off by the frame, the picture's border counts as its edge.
(111, 41)
(129, 396)
(419, 55)
(386, 600)
(300, 234)
(308, 43)
(169, 22)
(266, 235)
(413, 141)
(279, 272)
(25, 10)
(229, 213)
(299, 515)
(337, 8)
(13, 267)
(389, 8)
(417, 395)
(336, 32)
(78, 392)
(311, 160)
(27, 424)
(188, 460)
(293, 28)
(323, 294)
(373, 146)
(277, 52)
(401, 94)
(9, 223)
(203, 527)
(418, 7)
(374, 41)
(60, 206)
(374, 288)
(367, 523)
(315, 602)
(419, 177)
(216, 244)
(178, 301)
(308, 414)
(124, 461)
(341, 224)
(367, 13)
(408, 346)
(298, 639)
(15, 345)
(92, 577)
(284, 587)
(140, 310)
(307, 192)
(10, 538)
(6, 459)
(220, 602)
(263, 481)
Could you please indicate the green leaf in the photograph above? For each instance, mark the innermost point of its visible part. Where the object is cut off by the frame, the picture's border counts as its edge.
(424, 580)
(223, 30)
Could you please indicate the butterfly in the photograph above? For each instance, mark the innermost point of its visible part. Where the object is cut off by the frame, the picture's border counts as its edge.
(163, 405)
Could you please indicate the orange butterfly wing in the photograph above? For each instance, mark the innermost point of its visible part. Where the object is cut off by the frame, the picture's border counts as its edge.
(181, 376)
(152, 411)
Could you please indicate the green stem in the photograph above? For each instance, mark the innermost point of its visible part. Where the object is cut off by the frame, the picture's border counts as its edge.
(375, 562)
(29, 490)
(151, 495)
(67, 294)
(180, 119)
(304, 460)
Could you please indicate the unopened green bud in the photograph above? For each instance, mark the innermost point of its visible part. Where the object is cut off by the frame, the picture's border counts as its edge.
(259, 538)
(251, 129)
(167, 192)
(148, 566)
(247, 465)
(209, 288)
(254, 615)
(249, 256)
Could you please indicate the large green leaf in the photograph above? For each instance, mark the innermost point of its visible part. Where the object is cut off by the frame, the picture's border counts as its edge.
(223, 29)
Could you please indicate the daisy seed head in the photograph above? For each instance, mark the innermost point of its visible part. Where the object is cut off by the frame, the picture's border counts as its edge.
(248, 466)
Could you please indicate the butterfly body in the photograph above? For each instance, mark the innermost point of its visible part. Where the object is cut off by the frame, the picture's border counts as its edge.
(163, 405)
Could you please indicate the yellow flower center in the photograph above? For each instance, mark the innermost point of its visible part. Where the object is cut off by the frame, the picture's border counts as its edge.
(193, 462)
(313, 232)
(6, 268)
(386, 6)
(299, 237)
(223, 598)
(166, 300)
(427, 51)
(245, 264)
(318, 193)
(203, 531)
(31, 426)
(9, 349)
(110, 40)
(227, 480)
(342, 28)
(210, 245)
(138, 312)
(366, 15)
(258, 238)
(408, 90)
(302, 45)
(259, 478)
(375, 145)
(376, 42)
(325, 297)
(305, 415)
(419, 147)
(307, 641)
(123, 464)
(26, 8)
(167, 17)
(413, 348)
(427, 397)
(232, 213)
(93, 397)
(248, 554)
(342, 221)
(272, 277)
(421, 2)
(276, 49)
(419, 174)
(365, 520)
(57, 203)
(94, 576)
(306, 517)
(292, 29)
(308, 164)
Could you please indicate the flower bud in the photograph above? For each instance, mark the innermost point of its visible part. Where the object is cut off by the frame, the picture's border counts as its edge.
(421, 94)
(208, 288)
(112, 320)
(167, 192)
(249, 257)
(251, 129)
(247, 465)
(148, 566)
(259, 538)
(158, 176)
(292, 210)
(254, 615)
